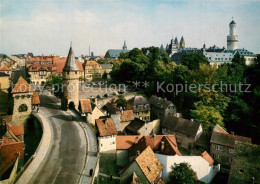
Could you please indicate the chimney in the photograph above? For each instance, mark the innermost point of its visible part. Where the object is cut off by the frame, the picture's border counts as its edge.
(191, 119)
(162, 146)
(138, 152)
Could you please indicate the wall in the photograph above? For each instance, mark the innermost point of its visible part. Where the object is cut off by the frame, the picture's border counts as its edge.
(96, 113)
(224, 155)
(122, 158)
(19, 118)
(204, 172)
(103, 101)
(134, 167)
(107, 143)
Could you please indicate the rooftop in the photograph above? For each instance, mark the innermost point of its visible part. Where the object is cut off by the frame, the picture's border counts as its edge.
(180, 125)
(85, 105)
(159, 102)
(70, 64)
(22, 86)
(149, 164)
(106, 127)
(35, 98)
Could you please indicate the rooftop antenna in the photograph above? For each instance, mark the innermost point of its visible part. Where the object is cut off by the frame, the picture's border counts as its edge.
(89, 50)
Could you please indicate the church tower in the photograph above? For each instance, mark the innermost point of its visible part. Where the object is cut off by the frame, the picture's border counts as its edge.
(70, 86)
(182, 43)
(124, 46)
(232, 38)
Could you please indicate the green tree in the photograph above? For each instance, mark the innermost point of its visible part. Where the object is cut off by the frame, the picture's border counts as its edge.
(240, 60)
(193, 60)
(55, 81)
(104, 76)
(131, 71)
(208, 116)
(182, 174)
(121, 101)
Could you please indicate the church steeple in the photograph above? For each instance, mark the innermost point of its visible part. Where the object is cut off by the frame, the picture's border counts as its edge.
(70, 64)
(124, 46)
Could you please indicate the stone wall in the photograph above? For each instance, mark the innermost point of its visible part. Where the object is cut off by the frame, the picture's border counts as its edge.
(19, 118)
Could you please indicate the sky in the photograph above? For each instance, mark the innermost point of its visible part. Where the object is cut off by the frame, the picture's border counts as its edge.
(48, 26)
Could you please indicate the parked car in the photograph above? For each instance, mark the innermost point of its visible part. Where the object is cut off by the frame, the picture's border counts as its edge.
(99, 96)
(121, 92)
(106, 95)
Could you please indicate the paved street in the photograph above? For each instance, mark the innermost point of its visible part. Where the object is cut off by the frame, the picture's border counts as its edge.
(66, 157)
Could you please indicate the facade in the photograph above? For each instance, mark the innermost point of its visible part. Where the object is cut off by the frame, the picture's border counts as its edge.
(186, 131)
(22, 102)
(4, 86)
(202, 165)
(146, 166)
(107, 134)
(140, 107)
(93, 70)
(232, 38)
(245, 165)
(160, 108)
(115, 53)
(222, 146)
(70, 76)
(19, 59)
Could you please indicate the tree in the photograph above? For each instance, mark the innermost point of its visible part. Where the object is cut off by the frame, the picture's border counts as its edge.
(193, 60)
(55, 81)
(208, 116)
(239, 60)
(182, 174)
(121, 101)
(130, 71)
(104, 76)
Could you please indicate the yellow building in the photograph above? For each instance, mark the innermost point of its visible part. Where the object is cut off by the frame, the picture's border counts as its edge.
(93, 70)
(4, 85)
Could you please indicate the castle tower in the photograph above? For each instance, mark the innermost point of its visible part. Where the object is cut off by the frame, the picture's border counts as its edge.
(124, 46)
(70, 76)
(22, 101)
(182, 43)
(232, 38)
(176, 42)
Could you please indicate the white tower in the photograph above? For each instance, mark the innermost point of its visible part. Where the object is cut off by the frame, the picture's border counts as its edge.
(232, 38)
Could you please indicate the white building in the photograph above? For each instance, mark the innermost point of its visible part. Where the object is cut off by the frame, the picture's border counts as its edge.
(202, 165)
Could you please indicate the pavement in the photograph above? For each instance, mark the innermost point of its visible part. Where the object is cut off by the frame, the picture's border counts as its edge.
(67, 153)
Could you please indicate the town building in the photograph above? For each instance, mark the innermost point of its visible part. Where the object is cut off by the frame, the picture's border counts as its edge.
(90, 110)
(115, 53)
(19, 59)
(106, 134)
(93, 70)
(70, 74)
(11, 153)
(245, 166)
(146, 166)
(125, 118)
(202, 165)
(222, 146)
(186, 131)
(106, 69)
(5, 69)
(4, 86)
(161, 107)
(22, 101)
(140, 107)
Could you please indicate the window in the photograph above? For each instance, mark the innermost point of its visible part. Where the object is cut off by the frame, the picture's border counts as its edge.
(231, 150)
(216, 156)
(218, 147)
(148, 169)
(23, 108)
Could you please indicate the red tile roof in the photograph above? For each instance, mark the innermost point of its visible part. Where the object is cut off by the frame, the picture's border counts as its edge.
(106, 127)
(35, 98)
(124, 142)
(156, 143)
(4, 68)
(60, 63)
(85, 105)
(22, 86)
(149, 164)
(17, 130)
(127, 115)
(207, 157)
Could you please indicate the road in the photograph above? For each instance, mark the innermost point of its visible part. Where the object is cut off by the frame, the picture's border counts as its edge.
(66, 156)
